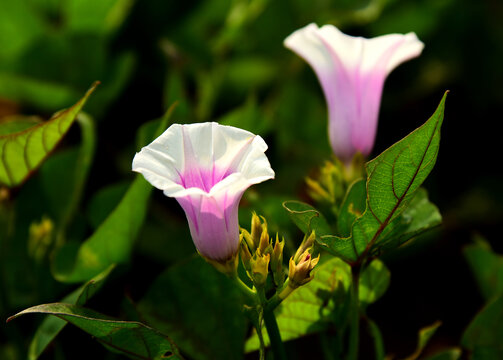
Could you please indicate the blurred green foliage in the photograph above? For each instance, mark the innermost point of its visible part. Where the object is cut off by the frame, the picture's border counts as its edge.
(223, 60)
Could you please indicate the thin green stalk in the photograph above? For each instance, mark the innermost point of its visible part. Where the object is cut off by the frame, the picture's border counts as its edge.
(279, 296)
(274, 336)
(374, 331)
(261, 339)
(249, 293)
(354, 329)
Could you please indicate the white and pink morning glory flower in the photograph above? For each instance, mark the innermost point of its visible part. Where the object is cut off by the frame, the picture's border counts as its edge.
(352, 71)
(206, 167)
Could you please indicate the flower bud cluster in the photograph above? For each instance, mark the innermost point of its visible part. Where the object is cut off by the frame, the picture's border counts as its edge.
(331, 182)
(259, 253)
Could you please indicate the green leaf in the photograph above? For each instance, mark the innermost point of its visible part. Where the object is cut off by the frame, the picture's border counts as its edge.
(132, 339)
(483, 335)
(22, 152)
(312, 307)
(352, 207)
(104, 202)
(92, 17)
(486, 266)
(64, 176)
(113, 241)
(205, 321)
(392, 180)
(52, 326)
(418, 217)
(423, 337)
(307, 218)
(374, 281)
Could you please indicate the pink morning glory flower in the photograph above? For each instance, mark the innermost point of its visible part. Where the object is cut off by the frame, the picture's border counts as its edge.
(352, 71)
(206, 167)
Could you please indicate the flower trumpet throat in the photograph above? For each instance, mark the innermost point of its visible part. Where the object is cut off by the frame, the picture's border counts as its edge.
(352, 71)
(207, 167)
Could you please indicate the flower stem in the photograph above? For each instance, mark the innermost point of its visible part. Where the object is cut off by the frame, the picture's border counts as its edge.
(354, 330)
(280, 295)
(274, 336)
(249, 293)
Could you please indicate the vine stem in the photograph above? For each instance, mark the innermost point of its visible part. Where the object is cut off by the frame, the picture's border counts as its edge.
(272, 328)
(354, 330)
(274, 335)
(249, 293)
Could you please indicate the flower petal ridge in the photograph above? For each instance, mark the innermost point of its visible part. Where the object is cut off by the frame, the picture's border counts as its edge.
(206, 167)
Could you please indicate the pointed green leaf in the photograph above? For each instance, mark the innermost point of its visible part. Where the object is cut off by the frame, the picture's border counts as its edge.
(374, 281)
(113, 241)
(392, 180)
(483, 335)
(22, 152)
(353, 206)
(52, 326)
(423, 338)
(418, 217)
(487, 267)
(132, 339)
(199, 307)
(307, 218)
(314, 306)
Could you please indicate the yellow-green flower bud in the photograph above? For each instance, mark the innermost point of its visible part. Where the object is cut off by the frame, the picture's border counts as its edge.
(246, 237)
(256, 230)
(299, 273)
(277, 262)
(265, 246)
(40, 238)
(260, 269)
(307, 244)
(245, 256)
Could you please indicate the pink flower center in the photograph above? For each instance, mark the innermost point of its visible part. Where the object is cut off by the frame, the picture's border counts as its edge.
(203, 179)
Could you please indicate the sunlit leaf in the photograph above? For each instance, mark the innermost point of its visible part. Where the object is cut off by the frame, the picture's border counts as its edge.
(22, 152)
(52, 326)
(132, 339)
(314, 306)
(392, 180)
(307, 218)
(205, 321)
